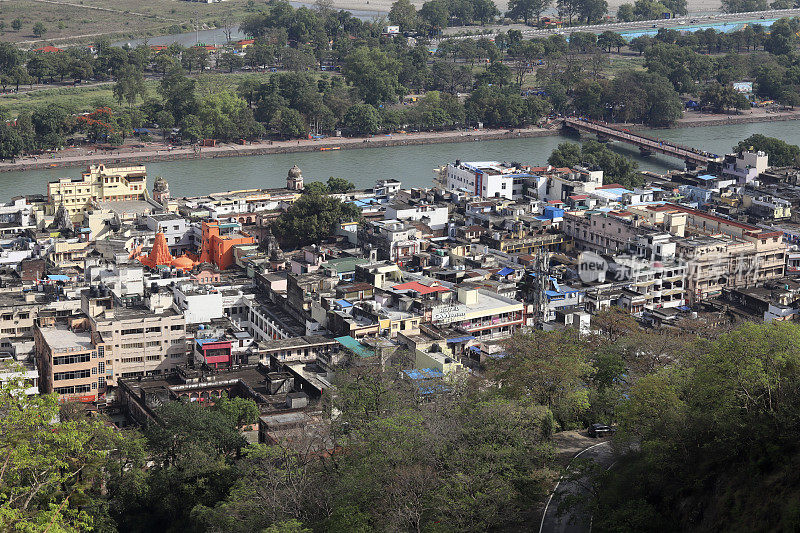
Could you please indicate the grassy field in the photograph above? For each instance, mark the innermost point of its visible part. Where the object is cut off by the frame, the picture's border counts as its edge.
(84, 20)
(88, 98)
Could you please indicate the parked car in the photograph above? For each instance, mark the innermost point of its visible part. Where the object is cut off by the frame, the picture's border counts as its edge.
(600, 430)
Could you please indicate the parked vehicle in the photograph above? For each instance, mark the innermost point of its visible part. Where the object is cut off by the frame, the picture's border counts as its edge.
(600, 430)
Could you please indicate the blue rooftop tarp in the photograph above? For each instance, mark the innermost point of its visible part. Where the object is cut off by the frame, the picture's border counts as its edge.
(354, 346)
(343, 303)
(201, 342)
(424, 373)
(465, 338)
(506, 271)
(706, 177)
(57, 277)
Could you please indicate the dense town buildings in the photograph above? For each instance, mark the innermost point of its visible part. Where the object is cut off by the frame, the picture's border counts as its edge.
(124, 299)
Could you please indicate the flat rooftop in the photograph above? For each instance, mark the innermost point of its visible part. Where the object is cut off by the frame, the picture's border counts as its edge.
(63, 339)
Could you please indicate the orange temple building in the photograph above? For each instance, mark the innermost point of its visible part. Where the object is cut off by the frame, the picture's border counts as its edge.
(159, 256)
(219, 238)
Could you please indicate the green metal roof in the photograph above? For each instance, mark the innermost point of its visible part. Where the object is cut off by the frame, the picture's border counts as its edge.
(354, 346)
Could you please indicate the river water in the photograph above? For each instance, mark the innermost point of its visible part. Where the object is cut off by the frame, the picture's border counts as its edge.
(413, 165)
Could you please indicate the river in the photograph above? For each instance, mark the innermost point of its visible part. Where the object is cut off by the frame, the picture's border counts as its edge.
(413, 165)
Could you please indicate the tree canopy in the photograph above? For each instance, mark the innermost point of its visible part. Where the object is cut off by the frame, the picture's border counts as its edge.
(313, 218)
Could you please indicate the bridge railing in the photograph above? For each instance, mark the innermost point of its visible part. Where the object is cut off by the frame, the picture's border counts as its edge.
(662, 144)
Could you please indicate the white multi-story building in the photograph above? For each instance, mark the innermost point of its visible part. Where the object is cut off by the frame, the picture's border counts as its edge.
(653, 271)
(179, 234)
(745, 166)
(486, 179)
(434, 216)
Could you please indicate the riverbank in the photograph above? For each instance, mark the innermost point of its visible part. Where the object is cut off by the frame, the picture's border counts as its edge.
(81, 157)
(76, 157)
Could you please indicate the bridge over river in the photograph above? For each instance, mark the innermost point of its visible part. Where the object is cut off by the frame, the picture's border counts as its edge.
(647, 145)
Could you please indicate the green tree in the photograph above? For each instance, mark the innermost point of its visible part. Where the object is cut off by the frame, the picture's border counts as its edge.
(592, 11)
(192, 452)
(313, 218)
(374, 73)
(616, 168)
(611, 39)
(165, 122)
(780, 153)
(435, 14)
(526, 9)
(288, 123)
(50, 124)
(39, 29)
(404, 14)
(16, 24)
(226, 116)
(625, 13)
(231, 61)
(363, 119)
(11, 142)
(340, 185)
(721, 97)
(741, 6)
(191, 128)
(178, 92)
(130, 85)
(53, 463)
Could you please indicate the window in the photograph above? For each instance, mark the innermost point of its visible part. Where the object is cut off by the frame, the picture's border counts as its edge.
(153, 330)
(71, 359)
(74, 374)
(132, 331)
(154, 358)
(151, 344)
(101, 367)
(74, 389)
(131, 345)
(101, 382)
(101, 351)
(94, 370)
(177, 327)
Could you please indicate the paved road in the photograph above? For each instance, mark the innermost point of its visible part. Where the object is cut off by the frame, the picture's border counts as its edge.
(574, 521)
(692, 22)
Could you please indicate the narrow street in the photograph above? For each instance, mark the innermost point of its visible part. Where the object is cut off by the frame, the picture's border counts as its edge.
(574, 521)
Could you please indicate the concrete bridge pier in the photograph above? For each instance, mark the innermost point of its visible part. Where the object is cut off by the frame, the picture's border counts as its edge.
(644, 151)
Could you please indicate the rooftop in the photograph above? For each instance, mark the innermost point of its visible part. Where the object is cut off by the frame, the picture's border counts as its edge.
(62, 339)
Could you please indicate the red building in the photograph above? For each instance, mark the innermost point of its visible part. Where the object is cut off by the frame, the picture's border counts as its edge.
(214, 353)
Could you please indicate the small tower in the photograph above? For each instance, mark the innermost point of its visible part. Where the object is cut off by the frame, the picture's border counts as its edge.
(161, 191)
(294, 181)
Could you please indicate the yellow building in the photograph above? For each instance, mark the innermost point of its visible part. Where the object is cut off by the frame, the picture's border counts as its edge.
(98, 183)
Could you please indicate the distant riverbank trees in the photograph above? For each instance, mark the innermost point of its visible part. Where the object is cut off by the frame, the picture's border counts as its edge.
(376, 83)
